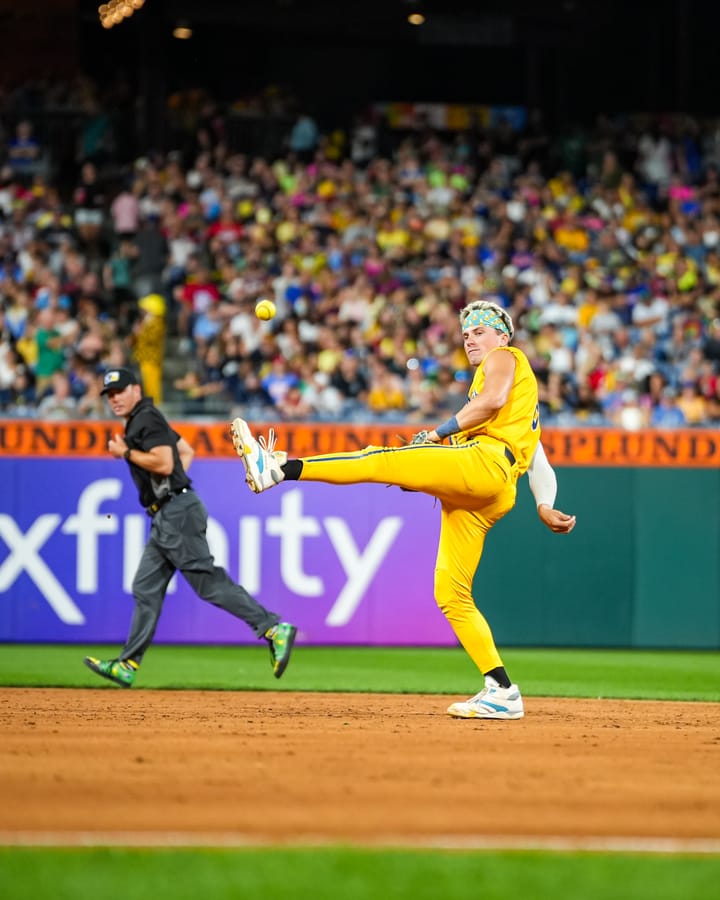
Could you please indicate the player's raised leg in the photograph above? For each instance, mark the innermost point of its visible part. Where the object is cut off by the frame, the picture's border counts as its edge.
(440, 470)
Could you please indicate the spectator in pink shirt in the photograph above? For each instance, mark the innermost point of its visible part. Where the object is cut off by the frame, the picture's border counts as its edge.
(125, 213)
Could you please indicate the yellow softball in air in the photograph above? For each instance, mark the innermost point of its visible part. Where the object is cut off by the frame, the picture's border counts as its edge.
(265, 310)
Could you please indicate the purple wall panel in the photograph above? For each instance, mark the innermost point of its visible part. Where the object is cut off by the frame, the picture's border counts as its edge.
(349, 565)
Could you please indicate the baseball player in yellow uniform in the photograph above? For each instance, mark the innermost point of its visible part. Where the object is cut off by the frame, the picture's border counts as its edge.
(493, 440)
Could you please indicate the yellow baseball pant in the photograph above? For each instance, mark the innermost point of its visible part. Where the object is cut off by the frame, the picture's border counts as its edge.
(476, 486)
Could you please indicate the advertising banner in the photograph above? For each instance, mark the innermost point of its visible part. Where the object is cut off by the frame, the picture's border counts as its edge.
(647, 448)
(348, 565)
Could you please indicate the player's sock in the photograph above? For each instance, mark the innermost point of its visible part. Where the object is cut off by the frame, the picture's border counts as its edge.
(292, 469)
(500, 675)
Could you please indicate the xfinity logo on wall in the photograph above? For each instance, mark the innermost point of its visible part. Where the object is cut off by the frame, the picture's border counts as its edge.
(288, 536)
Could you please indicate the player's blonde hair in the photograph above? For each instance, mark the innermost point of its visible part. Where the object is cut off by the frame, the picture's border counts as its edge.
(481, 305)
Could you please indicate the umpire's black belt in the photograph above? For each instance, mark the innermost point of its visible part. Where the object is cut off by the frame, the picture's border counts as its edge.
(166, 498)
(509, 457)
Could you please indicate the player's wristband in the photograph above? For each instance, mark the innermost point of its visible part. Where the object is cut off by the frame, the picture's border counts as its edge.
(448, 428)
(126, 454)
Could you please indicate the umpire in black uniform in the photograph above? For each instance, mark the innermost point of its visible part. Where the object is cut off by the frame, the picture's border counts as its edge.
(159, 459)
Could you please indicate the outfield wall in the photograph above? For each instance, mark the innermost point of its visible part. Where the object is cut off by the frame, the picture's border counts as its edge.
(354, 565)
(641, 568)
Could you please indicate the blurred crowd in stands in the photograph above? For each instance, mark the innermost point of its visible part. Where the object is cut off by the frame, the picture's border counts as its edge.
(604, 245)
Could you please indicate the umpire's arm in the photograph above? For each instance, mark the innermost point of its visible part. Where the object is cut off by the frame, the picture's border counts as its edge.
(185, 452)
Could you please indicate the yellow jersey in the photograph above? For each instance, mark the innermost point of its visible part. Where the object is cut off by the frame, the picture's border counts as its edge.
(517, 424)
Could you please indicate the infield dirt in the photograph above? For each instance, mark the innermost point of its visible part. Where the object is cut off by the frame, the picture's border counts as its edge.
(352, 768)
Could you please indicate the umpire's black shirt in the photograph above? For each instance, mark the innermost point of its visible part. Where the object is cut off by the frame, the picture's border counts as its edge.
(146, 428)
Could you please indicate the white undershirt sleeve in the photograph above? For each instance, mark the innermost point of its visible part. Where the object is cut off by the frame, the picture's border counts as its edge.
(541, 477)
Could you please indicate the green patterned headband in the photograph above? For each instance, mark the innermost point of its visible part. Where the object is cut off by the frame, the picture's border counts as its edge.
(488, 317)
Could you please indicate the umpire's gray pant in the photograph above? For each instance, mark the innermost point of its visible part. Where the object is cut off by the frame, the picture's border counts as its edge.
(178, 542)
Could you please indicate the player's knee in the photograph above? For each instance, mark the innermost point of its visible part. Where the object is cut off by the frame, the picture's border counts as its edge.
(453, 596)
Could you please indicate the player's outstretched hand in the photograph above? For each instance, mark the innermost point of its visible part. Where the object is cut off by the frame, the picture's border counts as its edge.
(556, 521)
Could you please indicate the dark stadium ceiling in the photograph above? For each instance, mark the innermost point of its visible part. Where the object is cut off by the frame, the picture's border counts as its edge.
(480, 22)
(499, 23)
(448, 22)
(571, 56)
(369, 15)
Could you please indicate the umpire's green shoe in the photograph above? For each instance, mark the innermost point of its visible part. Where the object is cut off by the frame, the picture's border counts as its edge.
(281, 638)
(122, 672)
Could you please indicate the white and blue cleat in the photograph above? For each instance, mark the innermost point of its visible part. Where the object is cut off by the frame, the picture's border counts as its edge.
(493, 702)
(262, 462)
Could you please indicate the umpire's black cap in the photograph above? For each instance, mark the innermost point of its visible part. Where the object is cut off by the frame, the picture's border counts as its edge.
(118, 380)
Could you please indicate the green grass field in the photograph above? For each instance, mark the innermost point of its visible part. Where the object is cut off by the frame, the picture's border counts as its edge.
(346, 874)
(631, 674)
(343, 873)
